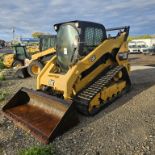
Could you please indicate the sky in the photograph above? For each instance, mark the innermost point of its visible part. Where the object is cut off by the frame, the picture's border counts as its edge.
(29, 16)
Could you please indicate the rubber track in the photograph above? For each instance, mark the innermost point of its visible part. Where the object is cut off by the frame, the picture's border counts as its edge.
(84, 97)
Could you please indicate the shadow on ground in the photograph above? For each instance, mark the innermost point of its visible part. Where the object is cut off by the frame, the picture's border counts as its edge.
(152, 65)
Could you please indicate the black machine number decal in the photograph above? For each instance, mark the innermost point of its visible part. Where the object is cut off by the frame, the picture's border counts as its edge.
(51, 83)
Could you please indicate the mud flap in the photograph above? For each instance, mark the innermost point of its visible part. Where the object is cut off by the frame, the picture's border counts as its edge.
(45, 116)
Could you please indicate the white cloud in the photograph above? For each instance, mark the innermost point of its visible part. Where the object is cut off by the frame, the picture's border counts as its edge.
(39, 15)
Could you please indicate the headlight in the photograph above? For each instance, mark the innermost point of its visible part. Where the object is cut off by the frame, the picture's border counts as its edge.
(123, 55)
(77, 25)
(55, 27)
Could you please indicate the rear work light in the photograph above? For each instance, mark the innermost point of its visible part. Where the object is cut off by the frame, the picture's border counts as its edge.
(123, 55)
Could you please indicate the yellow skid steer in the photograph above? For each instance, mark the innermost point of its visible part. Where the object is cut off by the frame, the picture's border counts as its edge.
(89, 71)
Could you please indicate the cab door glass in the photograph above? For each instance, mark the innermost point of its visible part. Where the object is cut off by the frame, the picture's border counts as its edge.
(20, 53)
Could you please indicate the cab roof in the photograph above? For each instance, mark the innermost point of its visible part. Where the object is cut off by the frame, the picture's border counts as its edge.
(82, 23)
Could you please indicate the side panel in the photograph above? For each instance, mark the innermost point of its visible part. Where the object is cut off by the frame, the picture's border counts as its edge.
(64, 83)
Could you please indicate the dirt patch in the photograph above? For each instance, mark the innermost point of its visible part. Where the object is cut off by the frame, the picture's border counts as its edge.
(125, 127)
(141, 59)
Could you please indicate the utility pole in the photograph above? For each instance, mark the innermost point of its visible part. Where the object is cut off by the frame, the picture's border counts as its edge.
(13, 34)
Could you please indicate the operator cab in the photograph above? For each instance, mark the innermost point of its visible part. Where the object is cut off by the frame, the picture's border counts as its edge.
(46, 42)
(20, 52)
(76, 39)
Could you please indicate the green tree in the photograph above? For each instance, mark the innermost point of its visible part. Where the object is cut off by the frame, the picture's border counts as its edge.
(146, 36)
(37, 34)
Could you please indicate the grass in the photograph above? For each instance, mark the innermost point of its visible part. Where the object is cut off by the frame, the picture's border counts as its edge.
(1, 65)
(1, 68)
(2, 95)
(1, 61)
(2, 77)
(146, 36)
(39, 150)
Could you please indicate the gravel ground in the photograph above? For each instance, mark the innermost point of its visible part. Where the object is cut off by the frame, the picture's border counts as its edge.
(141, 59)
(12, 138)
(125, 127)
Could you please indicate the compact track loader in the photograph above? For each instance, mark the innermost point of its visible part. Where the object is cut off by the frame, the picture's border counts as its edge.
(31, 65)
(89, 71)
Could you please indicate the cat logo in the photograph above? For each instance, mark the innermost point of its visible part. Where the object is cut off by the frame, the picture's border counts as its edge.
(51, 83)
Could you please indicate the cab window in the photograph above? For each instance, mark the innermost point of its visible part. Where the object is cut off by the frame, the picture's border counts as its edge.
(20, 53)
(92, 38)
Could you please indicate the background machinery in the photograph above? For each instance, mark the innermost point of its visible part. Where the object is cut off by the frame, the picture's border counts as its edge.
(16, 59)
(32, 63)
(89, 70)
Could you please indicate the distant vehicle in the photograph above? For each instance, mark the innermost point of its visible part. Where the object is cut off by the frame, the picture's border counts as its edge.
(137, 47)
(2, 43)
(149, 42)
(142, 47)
(133, 48)
(149, 51)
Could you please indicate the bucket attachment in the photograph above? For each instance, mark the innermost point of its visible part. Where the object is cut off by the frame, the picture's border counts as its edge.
(43, 115)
